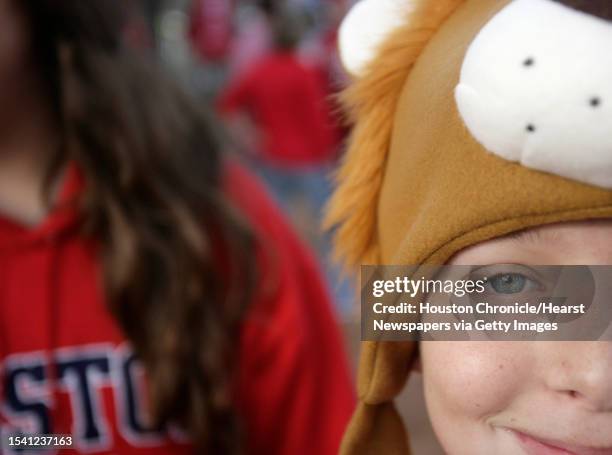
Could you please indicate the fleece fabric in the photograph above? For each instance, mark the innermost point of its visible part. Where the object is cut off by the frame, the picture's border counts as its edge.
(531, 92)
(434, 191)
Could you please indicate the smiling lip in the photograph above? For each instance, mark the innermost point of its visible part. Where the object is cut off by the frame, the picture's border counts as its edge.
(536, 446)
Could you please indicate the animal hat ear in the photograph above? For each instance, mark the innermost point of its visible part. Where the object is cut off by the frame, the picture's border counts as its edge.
(380, 40)
(364, 29)
(370, 22)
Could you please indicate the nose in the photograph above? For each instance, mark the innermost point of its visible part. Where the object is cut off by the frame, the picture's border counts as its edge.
(582, 371)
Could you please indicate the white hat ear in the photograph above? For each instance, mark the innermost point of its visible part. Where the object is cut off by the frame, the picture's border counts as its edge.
(365, 28)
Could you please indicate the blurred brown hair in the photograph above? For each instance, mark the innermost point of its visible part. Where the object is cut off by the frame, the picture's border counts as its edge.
(177, 259)
(599, 8)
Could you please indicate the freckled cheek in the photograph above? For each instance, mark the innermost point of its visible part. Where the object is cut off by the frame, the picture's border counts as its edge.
(473, 380)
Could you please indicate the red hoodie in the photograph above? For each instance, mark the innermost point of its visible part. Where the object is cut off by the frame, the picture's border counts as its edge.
(67, 369)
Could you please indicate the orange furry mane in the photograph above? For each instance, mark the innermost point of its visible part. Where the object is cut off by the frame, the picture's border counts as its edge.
(370, 104)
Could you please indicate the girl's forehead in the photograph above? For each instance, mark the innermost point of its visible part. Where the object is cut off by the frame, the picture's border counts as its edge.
(559, 231)
(536, 243)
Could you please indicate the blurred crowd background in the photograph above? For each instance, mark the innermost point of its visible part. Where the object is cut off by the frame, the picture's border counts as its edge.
(269, 70)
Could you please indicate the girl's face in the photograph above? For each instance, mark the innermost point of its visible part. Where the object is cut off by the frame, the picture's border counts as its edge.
(533, 398)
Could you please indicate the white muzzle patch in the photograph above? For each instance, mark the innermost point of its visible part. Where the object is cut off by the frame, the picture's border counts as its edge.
(536, 88)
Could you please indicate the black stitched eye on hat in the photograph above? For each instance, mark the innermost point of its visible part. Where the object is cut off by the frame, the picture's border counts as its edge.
(599, 8)
(595, 101)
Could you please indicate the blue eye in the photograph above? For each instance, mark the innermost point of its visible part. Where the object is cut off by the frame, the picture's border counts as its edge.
(508, 283)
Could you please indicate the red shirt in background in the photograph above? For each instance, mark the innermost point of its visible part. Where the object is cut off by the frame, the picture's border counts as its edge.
(287, 102)
(66, 368)
(210, 28)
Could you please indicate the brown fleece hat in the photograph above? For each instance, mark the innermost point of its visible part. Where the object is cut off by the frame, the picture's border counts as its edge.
(462, 133)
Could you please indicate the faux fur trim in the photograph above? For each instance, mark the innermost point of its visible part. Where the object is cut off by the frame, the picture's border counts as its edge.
(370, 103)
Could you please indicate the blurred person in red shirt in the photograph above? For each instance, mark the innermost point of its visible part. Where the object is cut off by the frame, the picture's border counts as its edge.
(320, 51)
(293, 139)
(287, 102)
(152, 299)
(210, 28)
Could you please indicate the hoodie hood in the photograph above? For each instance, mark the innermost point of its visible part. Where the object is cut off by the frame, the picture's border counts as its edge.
(61, 219)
